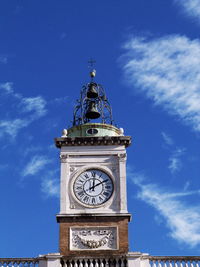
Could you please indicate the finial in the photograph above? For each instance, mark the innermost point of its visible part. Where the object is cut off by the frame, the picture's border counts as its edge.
(93, 73)
(64, 133)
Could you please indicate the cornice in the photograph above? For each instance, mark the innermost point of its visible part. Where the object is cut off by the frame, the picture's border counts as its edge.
(93, 141)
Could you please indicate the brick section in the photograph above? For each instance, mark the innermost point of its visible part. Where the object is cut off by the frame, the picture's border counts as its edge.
(84, 221)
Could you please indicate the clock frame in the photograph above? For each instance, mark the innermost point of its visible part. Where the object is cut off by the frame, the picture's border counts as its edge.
(92, 187)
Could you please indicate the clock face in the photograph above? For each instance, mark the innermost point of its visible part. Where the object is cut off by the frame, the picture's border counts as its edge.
(93, 187)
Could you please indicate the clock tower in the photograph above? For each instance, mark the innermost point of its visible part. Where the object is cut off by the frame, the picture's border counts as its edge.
(93, 213)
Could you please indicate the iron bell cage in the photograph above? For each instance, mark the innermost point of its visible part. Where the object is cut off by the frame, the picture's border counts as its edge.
(92, 104)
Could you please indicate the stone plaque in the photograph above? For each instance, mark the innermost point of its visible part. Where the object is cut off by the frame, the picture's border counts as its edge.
(93, 238)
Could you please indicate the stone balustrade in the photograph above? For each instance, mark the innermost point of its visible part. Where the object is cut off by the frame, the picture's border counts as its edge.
(96, 262)
(174, 261)
(129, 260)
(19, 262)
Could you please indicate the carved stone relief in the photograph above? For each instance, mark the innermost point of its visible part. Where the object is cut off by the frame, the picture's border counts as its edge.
(93, 238)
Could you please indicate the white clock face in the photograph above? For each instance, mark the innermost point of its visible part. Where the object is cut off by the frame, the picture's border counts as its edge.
(93, 187)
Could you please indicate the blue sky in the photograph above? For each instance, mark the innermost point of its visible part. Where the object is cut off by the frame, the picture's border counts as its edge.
(148, 58)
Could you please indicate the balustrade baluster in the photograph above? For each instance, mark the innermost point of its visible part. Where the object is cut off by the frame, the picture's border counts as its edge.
(160, 263)
(123, 263)
(106, 263)
(86, 263)
(101, 263)
(176, 264)
(186, 264)
(65, 264)
(170, 264)
(181, 264)
(70, 263)
(91, 263)
(95, 264)
(117, 263)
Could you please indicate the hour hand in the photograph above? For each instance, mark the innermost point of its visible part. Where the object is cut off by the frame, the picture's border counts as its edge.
(93, 184)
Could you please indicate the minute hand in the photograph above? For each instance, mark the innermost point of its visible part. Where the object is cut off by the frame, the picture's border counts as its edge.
(92, 187)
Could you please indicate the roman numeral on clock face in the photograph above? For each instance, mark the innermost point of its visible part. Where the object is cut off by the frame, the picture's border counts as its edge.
(93, 201)
(79, 188)
(80, 193)
(93, 174)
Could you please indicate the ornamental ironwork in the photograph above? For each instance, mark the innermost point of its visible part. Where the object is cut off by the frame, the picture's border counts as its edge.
(92, 104)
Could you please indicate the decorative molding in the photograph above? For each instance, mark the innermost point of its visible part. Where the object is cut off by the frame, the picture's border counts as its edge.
(72, 169)
(102, 141)
(122, 157)
(63, 158)
(95, 238)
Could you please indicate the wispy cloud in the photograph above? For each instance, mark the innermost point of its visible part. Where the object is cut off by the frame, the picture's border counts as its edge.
(11, 128)
(6, 87)
(167, 71)
(167, 139)
(35, 165)
(35, 105)
(22, 112)
(190, 7)
(182, 219)
(176, 153)
(175, 162)
(50, 187)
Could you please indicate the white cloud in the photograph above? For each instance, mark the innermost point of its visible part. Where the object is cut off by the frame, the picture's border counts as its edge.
(11, 127)
(175, 163)
(34, 104)
(51, 187)
(21, 113)
(186, 186)
(7, 87)
(167, 71)
(36, 164)
(182, 219)
(190, 7)
(167, 139)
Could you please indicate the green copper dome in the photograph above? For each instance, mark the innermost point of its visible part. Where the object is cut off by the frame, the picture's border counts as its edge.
(94, 130)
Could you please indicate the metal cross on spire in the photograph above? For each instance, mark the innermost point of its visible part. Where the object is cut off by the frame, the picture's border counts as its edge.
(91, 63)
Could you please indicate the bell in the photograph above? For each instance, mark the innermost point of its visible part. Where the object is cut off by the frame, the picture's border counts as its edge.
(92, 112)
(92, 92)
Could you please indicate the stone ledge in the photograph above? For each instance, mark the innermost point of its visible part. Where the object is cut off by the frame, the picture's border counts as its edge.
(92, 217)
(93, 141)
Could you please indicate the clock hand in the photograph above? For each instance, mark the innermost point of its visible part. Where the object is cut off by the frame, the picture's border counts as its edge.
(92, 187)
